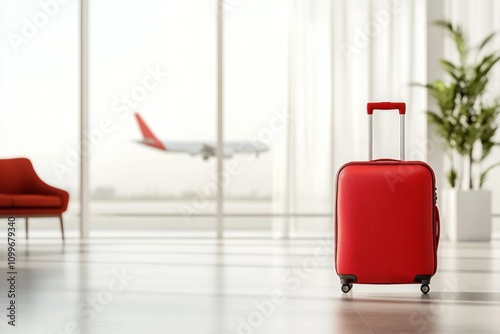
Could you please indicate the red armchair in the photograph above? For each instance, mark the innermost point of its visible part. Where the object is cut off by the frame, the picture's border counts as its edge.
(24, 194)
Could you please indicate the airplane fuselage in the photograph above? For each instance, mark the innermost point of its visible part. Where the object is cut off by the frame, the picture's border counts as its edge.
(206, 149)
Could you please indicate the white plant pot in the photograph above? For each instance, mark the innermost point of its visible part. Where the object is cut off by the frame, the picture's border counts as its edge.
(466, 214)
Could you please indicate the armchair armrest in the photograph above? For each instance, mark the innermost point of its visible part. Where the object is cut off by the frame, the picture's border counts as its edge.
(38, 186)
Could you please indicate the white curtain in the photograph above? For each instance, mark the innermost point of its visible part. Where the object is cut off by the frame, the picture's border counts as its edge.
(342, 54)
(302, 168)
(379, 50)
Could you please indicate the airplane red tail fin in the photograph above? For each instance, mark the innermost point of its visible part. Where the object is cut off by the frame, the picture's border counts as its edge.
(149, 138)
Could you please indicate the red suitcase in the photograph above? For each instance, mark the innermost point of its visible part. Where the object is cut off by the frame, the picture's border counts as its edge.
(386, 218)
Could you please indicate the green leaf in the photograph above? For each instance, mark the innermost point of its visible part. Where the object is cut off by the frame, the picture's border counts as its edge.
(449, 67)
(485, 41)
(484, 174)
(458, 35)
(464, 116)
(452, 177)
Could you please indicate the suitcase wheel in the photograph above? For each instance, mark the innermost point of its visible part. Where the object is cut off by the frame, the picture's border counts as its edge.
(346, 288)
(424, 288)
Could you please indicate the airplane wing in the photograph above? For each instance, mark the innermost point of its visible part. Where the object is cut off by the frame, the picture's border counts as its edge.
(207, 150)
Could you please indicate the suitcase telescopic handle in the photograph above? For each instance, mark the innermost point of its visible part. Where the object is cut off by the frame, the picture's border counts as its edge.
(401, 107)
(371, 106)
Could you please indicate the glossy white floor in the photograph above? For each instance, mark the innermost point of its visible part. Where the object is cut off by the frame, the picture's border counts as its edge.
(169, 285)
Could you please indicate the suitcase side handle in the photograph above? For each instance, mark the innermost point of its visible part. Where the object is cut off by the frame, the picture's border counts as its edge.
(438, 226)
(401, 106)
(371, 106)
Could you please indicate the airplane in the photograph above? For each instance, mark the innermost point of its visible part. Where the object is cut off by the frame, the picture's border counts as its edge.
(206, 149)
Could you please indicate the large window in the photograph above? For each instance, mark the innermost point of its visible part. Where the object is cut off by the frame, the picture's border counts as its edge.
(157, 59)
(255, 60)
(39, 101)
(255, 67)
(169, 190)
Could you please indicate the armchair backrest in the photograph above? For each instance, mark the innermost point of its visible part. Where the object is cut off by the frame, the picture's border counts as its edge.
(17, 176)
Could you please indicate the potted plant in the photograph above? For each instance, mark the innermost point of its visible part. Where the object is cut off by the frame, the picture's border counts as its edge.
(466, 121)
